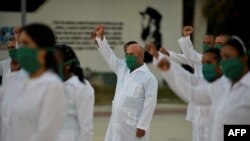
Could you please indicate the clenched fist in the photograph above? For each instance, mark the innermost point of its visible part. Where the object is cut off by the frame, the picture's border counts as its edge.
(187, 31)
(98, 32)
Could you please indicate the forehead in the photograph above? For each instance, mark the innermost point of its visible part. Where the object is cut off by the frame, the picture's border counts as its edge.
(220, 38)
(228, 49)
(133, 48)
(208, 37)
(209, 55)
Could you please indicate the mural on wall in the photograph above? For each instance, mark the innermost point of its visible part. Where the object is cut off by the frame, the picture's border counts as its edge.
(151, 29)
(77, 33)
(6, 33)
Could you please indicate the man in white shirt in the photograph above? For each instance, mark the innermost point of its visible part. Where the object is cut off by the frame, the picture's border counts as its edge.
(10, 64)
(136, 91)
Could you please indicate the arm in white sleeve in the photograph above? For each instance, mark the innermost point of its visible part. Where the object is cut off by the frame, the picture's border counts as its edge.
(51, 115)
(85, 110)
(198, 94)
(112, 60)
(178, 58)
(186, 76)
(187, 48)
(150, 89)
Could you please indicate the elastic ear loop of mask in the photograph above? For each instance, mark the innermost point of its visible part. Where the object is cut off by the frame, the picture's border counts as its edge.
(60, 69)
(240, 41)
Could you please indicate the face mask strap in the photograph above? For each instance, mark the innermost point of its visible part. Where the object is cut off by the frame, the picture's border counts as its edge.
(60, 69)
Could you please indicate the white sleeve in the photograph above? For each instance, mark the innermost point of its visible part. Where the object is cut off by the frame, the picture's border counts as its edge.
(51, 115)
(198, 94)
(187, 48)
(113, 61)
(150, 90)
(178, 58)
(85, 109)
(185, 75)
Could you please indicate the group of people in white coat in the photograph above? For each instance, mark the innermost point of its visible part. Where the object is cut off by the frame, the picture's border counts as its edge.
(44, 96)
(221, 93)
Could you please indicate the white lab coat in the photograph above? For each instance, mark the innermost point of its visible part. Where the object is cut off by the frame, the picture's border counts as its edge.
(32, 109)
(78, 124)
(200, 112)
(5, 70)
(135, 98)
(180, 59)
(229, 104)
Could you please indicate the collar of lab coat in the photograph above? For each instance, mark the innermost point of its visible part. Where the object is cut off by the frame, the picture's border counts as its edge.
(142, 68)
(228, 83)
(246, 79)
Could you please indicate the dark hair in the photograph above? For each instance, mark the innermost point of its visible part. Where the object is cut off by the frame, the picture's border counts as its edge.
(44, 37)
(188, 68)
(215, 51)
(128, 44)
(68, 54)
(237, 45)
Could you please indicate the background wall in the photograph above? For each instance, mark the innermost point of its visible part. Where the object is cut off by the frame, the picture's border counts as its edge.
(125, 11)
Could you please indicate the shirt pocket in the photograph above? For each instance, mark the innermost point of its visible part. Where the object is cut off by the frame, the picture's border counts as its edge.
(133, 104)
(134, 90)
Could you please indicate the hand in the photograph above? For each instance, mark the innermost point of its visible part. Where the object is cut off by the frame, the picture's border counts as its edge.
(140, 133)
(164, 64)
(187, 31)
(151, 49)
(98, 32)
(164, 51)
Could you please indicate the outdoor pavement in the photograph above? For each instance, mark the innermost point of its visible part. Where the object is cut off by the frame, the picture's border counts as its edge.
(168, 123)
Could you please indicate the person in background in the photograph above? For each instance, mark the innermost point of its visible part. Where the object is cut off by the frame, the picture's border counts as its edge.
(78, 125)
(10, 64)
(32, 101)
(136, 91)
(220, 40)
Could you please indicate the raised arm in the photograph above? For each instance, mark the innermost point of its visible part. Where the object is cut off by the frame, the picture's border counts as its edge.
(198, 94)
(187, 46)
(104, 48)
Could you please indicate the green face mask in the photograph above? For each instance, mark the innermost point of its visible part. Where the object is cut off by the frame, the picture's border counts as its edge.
(27, 58)
(205, 47)
(232, 68)
(208, 71)
(131, 62)
(13, 53)
(60, 67)
(218, 46)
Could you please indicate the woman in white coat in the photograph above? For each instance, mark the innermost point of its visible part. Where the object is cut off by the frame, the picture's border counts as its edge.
(78, 125)
(229, 96)
(33, 102)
